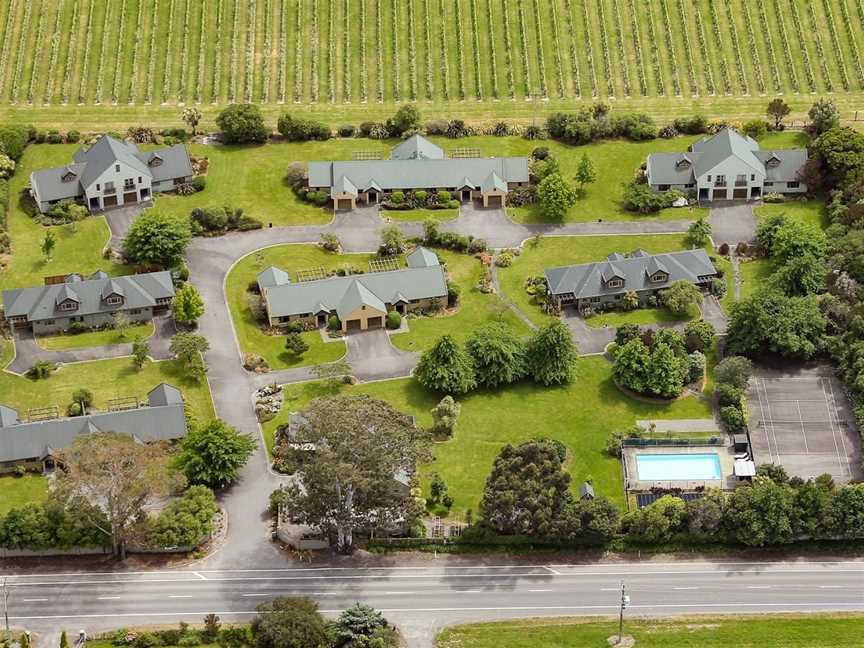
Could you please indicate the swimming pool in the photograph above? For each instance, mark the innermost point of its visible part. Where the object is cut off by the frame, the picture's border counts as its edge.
(678, 467)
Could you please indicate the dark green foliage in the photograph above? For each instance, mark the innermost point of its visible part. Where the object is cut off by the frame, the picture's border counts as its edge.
(13, 141)
(824, 116)
(295, 344)
(185, 521)
(792, 327)
(40, 369)
(732, 418)
(287, 622)
(406, 120)
(761, 514)
(297, 129)
(657, 522)
(213, 454)
(734, 371)
(498, 355)
(446, 368)
(242, 124)
(639, 197)
(361, 626)
(589, 125)
(394, 320)
(49, 525)
(728, 394)
(699, 335)
(551, 355)
(801, 275)
(625, 333)
(156, 239)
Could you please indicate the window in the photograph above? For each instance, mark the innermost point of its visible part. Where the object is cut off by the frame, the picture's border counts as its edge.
(117, 168)
(97, 186)
(129, 183)
(720, 181)
(752, 177)
(68, 305)
(663, 187)
(709, 178)
(114, 299)
(792, 185)
(595, 300)
(139, 179)
(657, 277)
(769, 184)
(741, 180)
(109, 188)
(614, 283)
(135, 311)
(48, 322)
(689, 185)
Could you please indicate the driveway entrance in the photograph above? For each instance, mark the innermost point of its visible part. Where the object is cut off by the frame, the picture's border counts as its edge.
(732, 223)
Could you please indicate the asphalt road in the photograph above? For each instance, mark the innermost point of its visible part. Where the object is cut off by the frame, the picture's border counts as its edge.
(423, 599)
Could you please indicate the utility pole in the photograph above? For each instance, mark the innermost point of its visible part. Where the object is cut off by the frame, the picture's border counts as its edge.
(5, 590)
(624, 601)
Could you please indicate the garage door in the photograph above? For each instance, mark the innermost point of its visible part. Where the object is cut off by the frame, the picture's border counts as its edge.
(740, 194)
(353, 325)
(109, 201)
(719, 194)
(343, 204)
(375, 322)
(496, 201)
(129, 198)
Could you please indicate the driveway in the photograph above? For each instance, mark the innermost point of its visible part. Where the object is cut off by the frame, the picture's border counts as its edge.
(373, 357)
(589, 340)
(120, 220)
(713, 313)
(28, 351)
(490, 223)
(732, 223)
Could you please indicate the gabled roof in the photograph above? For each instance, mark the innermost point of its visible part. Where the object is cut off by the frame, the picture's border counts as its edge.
(422, 257)
(725, 144)
(99, 274)
(112, 288)
(493, 183)
(787, 165)
(609, 270)
(163, 419)
(343, 186)
(106, 152)
(8, 416)
(358, 295)
(39, 303)
(331, 294)
(417, 147)
(372, 185)
(587, 279)
(417, 174)
(272, 276)
(655, 265)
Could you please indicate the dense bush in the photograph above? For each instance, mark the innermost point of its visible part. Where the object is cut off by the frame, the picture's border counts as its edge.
(639, 197)
(297, 129)
(394, 320)
(185, 521)
(588, 125)
(13, 140)
(242, 124)
(221, 219)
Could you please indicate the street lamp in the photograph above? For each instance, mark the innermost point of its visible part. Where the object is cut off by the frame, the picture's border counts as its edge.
(625, 600)
(5, 590)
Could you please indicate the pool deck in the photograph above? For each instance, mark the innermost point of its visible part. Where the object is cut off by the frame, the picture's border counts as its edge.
(726, 454)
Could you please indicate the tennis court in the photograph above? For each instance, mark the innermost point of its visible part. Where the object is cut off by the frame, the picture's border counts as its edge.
(803, 421)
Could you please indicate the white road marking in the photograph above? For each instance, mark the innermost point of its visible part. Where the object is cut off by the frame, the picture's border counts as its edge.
(36, 600)
(178, 596)
(258, 594)
(831, 587)
(537, 591)
(107, 598)
(758, 587)
(685, 588)
(552, 571)
(398, 593)
(200, 576)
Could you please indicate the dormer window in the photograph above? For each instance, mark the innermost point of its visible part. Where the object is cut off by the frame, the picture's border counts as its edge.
(659, 277)
(69, 305)
(114, 299)
(155, 160)
(615, 283)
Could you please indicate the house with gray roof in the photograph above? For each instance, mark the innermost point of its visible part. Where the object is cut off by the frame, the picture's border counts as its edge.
(92, 302)
(597, 286)
(360, 301)
(418, 164)
(112, 173)
(728, 166)
(35, 442)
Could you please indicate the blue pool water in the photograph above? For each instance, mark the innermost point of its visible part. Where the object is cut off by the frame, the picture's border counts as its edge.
(678, 467)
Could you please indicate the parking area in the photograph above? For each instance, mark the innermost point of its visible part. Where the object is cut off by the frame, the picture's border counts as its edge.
(802, 420)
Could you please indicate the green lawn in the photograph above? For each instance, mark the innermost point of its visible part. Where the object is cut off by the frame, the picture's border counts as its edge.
(641, 316)
(775, 631)
(475, 309)
(107, 379)
(754, 275)
(79, 245)
(95, 338)
(440, 215)
(566, 250)
(581, 415)
(18, 491)
(810, 211)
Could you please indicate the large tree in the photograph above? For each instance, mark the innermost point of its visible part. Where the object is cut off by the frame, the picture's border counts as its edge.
(699, 231)
(498, 354)
(735, 371)
(551, 355)
(191, 115)
(527, 492)
(360, 445)
(631, 365)
(287, 622)
(446, 368)
(213, 454)
(157, 239)
(118, 476)
(681, 297)
(406, 120)
(795, 238)
(242, 124)
(761, 514)
(555, 196)
(585, 173)
(666, 371)
(801, 275)
(771, 322)
(824, 115)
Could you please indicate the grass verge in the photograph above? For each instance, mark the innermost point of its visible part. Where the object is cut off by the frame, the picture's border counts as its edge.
(95, 338)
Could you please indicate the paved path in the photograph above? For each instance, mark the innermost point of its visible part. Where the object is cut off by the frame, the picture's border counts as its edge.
(732, 223)
(28, 351)
(445, 590)
(120, 219)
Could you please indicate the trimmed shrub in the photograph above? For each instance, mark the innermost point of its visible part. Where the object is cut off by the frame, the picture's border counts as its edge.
(394, 320)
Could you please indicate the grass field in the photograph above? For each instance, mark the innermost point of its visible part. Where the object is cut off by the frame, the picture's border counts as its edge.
(353, 55)
(95, 338)
(581, 415)
(641, 316)
(779, 631)
(18, 491)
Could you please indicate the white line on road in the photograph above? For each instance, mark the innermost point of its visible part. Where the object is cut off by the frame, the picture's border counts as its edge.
(37, 600)
(107, 598)
(552, 571)
(398, 593)
(179, 596)
(259, 594)
(758, 587)
(202, 577)
(537, 591)
(685, 588)
(831, 587)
